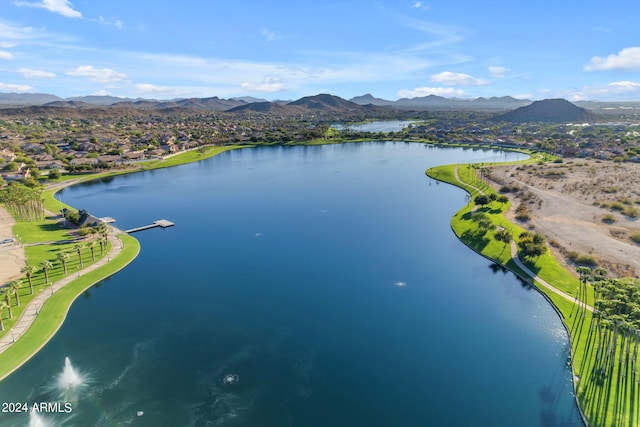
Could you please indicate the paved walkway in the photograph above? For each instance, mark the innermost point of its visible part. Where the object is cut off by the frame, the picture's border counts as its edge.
(33, 308)
(519, 263)
(544, 283)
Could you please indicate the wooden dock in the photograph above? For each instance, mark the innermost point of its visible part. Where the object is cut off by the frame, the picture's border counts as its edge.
(163, 223)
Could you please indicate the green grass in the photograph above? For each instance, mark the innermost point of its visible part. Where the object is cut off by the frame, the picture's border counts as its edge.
(54, 311)
(189, 156)
(605, 400)
(47, 252)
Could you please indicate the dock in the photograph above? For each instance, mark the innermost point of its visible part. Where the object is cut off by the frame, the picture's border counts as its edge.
(163, 223)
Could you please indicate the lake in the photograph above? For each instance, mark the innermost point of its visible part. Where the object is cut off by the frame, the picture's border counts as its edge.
(301, 286)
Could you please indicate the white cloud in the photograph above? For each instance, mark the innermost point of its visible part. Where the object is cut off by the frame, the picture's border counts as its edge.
(425, 91)
(6, 55)
(7, 45)
(15, 88)
(148, 88)
(420, 5)
(498, 72)
(63, 7)
(626, 59)
(269, 35)
(457, 79)
(621, 90)
(100, 75)
(443, 35)
(111, 22)
(522, 96)
(35, 74)
(268, 87)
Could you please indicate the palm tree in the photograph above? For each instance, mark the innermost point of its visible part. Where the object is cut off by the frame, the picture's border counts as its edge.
(600, 273)
(92, 247)
(63, 257)
(7, 296)
(101, 241)
(79, 248)
(29, 270)
(3, 305)
(45, 266)
(15, 285)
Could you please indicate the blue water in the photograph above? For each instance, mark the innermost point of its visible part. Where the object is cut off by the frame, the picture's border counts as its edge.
(382, 126)
(326, 278)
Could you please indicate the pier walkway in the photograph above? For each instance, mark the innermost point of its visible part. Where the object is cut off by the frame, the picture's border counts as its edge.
(159, 223)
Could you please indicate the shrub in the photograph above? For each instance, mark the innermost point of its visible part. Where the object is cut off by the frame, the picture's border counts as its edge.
(635, 237)
(83, 231)
(54, 174)
(582, 259)
(616, 206)
(608, 219)
(481, 200)
(631, 212)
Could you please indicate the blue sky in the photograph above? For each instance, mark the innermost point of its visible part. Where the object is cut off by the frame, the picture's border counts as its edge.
(289, 49)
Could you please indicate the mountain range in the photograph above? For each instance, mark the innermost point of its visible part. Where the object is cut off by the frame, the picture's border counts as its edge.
(505, 108)
(214, 103)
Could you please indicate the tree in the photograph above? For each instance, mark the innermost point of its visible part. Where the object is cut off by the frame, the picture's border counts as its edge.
(54, 174)
(92, 247)
(503, 235)
(531, 245)
(14, 285)
(502, 199)
(7, 300)
(63, 257)
(481, 200)
(3, 305)
(45, 266)
(78, 247)
(29, 270)
(23, 201)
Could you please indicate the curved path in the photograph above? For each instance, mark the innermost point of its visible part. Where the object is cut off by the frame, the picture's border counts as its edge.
(33, 307)
(536, 278)
(519, 263)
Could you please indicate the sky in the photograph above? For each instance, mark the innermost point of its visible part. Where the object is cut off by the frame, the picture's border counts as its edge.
(281, 49)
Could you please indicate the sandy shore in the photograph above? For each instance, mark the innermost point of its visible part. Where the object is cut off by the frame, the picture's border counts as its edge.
(566, 202)
(12, 257)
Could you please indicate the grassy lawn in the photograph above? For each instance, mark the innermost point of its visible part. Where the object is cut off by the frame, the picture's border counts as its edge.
(31, 232)
(605, 397)
(189, 156)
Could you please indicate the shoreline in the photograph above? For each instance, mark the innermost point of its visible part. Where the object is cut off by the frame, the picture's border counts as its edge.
(51, 199)
(524, 274)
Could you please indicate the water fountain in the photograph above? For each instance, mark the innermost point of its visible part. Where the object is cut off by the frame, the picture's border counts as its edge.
(36, 420)
(70, 378)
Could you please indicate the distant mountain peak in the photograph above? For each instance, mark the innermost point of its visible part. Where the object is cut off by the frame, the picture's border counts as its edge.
(556, 110)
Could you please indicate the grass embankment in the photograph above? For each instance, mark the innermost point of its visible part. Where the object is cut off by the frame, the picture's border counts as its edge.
(54, 311)
(607, 396)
